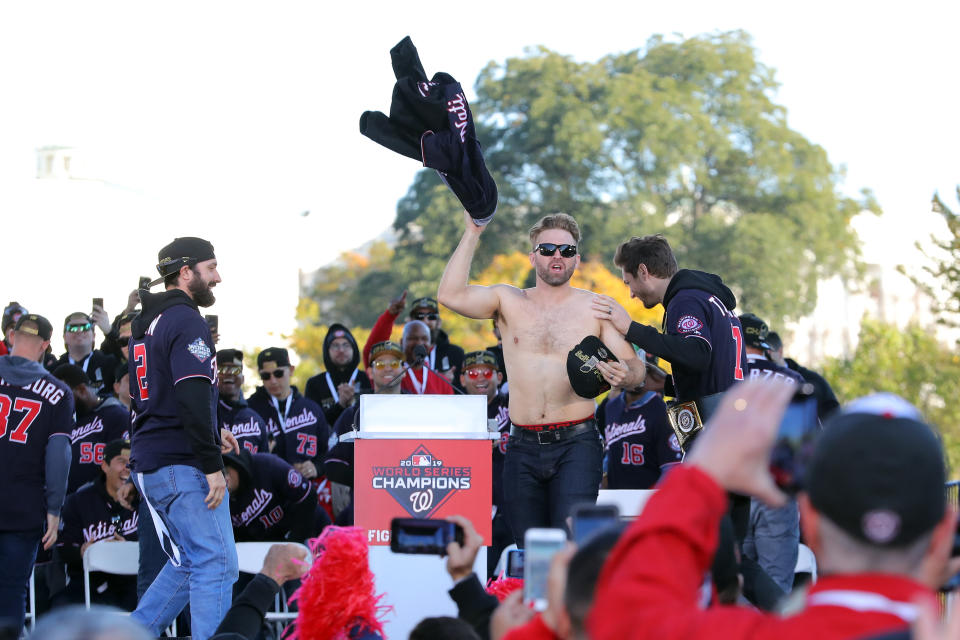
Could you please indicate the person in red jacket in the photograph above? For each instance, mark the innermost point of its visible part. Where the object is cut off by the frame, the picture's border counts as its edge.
(873, 512)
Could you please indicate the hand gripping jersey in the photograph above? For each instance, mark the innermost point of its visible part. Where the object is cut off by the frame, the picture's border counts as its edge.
(29, 416)
(109, 421)
(640, 443)
(176, 346)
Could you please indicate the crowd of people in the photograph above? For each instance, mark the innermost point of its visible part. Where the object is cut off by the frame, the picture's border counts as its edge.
(149, 437)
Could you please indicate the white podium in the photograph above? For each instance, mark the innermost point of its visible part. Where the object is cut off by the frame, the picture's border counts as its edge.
(420, 456)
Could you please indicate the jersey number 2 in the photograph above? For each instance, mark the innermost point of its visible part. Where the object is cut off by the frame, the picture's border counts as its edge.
(30, 407)
(140, 358)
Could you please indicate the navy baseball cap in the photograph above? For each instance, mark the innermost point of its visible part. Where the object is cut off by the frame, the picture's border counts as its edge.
(585, 378)
(11, 314)
(480, 358)
(274, 354)
(878, 472)
(182, 252)
(34, 325)
(229, 356)
(73, 375)
(755, 331)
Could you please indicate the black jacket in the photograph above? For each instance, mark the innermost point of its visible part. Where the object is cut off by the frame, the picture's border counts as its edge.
(318, 388)
(826, 400)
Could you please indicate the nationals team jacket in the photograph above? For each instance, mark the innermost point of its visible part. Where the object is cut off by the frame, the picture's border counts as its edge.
(297, 425)
(649, 585)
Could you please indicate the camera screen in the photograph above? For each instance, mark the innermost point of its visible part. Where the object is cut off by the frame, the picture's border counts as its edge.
(536, 559)
(430, 538)
(515, 563)
(795, 440)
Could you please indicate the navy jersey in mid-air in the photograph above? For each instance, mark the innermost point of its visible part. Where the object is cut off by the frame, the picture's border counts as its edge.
(269, 493)
(698, 314)
(109, 421)
(640, 443)
(176, 346)
(29, 416)
(246, 425)
(759, 368)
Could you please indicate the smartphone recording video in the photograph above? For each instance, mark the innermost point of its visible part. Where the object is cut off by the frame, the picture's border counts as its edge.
(588, 519)
(539, 547)
(515, 563)
(795, 439)
(423, 536)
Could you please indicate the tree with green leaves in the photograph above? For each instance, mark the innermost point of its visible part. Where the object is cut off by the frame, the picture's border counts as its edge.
(681, 137)
(910, 363)
(943, 266)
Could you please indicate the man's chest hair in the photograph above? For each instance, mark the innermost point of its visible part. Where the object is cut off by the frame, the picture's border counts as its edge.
(547, 328)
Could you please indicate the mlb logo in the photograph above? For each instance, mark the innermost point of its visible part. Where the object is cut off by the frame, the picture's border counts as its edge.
(419, 460)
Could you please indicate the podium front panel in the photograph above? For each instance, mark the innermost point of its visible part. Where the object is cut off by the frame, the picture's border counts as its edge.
(421, 479)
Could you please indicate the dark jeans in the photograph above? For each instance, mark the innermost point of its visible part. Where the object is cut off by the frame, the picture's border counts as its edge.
(541, 482)
(18, 550)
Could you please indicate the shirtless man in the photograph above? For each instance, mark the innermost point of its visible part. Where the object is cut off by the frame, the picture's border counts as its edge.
(554, 455)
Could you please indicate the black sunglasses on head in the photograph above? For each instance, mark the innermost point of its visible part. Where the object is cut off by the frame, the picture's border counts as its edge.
(277, 373)
(548, 249)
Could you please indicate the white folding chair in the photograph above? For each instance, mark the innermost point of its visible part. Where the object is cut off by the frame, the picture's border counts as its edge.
(118, 558)
(108, 556)
(31, 614)
(250, 556)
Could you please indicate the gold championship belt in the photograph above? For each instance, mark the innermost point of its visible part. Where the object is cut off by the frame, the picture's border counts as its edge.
(685, 421)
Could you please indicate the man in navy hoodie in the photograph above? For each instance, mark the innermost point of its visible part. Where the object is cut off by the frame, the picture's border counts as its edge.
(176, 443)
(37, 414)
(341, 384)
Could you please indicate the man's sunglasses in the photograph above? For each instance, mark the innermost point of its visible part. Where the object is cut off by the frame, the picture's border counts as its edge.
(548, 248)
(425, 316)
(231, 370)
(383, 364)
(79, 328)
(473, 374)
(276, 373)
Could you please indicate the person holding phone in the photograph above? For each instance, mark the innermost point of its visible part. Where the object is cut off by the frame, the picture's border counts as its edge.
(79, 339)
(773, 533)
(873, 510)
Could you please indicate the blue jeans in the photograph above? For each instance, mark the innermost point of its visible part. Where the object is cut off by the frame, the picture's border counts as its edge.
(18, 550)
(541, 482)
(208, 553)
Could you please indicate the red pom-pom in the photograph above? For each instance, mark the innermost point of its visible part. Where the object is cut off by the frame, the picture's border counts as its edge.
(337, 594)
(503, 586)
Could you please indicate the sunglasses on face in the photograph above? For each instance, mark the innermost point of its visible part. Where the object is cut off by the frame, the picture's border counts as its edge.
(79, 328)
(386, 364)
(548, 248)
(230, 370)
(276, 373)
(425, 316)
(473, 374)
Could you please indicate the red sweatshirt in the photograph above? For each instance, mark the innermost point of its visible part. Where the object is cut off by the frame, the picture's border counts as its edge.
(649, 586)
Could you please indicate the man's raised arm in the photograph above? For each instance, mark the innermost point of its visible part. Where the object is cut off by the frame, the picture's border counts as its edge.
(473, 301)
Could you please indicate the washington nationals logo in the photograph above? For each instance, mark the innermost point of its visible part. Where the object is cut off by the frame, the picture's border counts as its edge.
(421, 482)
(686, 421)
(687, 324)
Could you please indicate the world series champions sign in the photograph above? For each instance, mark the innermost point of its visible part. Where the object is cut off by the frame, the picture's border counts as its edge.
(421, 479)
